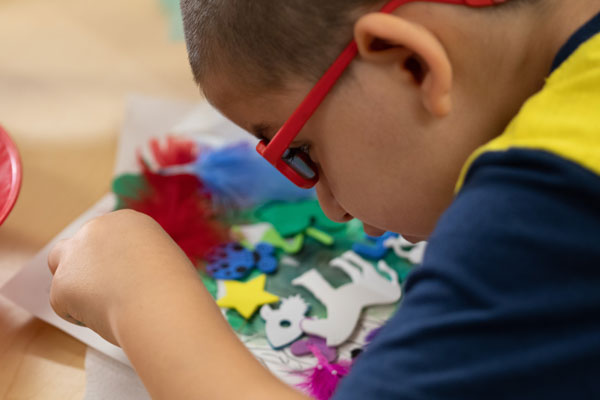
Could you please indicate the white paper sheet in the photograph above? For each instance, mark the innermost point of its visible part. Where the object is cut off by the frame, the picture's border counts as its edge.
(30, 288)
(110, 379)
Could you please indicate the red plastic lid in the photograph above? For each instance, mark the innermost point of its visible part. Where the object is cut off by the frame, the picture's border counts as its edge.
(10, 174)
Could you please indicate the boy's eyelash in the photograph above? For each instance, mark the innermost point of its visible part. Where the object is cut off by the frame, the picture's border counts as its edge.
(305, 148)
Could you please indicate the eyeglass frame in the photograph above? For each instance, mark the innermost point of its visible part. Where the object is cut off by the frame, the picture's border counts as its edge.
(276, 150)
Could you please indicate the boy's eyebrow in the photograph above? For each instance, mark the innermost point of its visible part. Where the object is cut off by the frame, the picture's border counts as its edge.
(261, 131)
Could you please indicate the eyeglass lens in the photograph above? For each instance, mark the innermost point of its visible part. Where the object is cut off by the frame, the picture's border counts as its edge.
(296, 159)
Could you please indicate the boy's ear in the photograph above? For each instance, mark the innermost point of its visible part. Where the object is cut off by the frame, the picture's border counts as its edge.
(386, 38)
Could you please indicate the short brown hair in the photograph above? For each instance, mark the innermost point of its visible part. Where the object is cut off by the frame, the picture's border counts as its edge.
(269, 40)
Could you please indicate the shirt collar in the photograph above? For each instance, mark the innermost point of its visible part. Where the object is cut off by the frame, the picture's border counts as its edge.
(583, 34)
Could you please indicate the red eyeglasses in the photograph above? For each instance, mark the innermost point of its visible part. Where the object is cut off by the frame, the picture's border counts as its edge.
(295, 164)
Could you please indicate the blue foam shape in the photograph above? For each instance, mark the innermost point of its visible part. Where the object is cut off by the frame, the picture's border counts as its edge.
(375, 251)
(234, 262)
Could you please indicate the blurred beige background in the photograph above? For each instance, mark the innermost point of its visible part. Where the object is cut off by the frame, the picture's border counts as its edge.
(66, 68)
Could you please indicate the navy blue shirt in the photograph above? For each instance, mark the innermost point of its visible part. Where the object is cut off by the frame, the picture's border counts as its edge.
(507, 302)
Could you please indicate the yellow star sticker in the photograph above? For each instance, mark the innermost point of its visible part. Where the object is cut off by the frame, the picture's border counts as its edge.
(246, 297)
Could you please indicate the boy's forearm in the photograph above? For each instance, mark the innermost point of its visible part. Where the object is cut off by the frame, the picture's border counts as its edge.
(182, 347)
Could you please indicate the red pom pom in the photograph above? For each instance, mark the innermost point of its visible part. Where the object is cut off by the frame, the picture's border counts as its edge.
(183, 209)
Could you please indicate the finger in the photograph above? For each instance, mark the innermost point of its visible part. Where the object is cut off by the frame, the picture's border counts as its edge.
(68, 317)
(59, 306)
(55, 255)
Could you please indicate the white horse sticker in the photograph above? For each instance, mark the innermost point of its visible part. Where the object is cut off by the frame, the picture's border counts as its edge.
(344, 304)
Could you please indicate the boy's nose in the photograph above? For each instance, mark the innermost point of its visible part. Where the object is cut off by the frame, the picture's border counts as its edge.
(332, 209)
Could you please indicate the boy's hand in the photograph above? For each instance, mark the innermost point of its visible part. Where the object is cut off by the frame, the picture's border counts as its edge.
(124, 277)
(110, 267)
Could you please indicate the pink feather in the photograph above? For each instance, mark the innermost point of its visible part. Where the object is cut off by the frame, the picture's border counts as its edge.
(321, 381)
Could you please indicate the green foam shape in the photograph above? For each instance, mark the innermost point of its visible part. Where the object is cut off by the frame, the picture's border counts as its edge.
(320, 236)
(209, 283)
(251, 327)
(290, 219)
(128, 186)
(274, 238)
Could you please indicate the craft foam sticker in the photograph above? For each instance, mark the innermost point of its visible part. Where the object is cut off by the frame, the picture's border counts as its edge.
(377, 249)
(233, 261)
(405, 249)
(283, 324)
(303, 347)
(344, 304)
(246, 297)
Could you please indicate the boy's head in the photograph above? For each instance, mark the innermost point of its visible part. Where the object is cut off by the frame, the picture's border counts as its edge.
(431, 83)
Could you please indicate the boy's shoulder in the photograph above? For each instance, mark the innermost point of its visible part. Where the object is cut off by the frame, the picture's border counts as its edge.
(563, 118)
(505, 300)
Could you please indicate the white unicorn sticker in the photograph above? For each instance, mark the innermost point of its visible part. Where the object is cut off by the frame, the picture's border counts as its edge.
(283, 325)
(344, 304)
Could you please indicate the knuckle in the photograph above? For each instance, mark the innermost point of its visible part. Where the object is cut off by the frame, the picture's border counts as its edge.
(131, 216)
(121, 219)
(55, 302)
(90, 227)
(56, 254)
(125, 213)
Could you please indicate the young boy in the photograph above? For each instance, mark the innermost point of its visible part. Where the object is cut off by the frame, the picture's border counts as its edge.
(475, 124)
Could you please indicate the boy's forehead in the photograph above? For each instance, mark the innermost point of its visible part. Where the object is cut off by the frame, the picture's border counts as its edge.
(248, 113)
(260, 113)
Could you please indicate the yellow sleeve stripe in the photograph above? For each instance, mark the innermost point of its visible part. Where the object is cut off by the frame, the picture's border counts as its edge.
(563, 118)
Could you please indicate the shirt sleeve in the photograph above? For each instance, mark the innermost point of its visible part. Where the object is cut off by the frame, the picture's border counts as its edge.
(507, 302)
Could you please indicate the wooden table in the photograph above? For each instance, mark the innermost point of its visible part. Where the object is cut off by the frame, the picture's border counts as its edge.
(66, 67)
